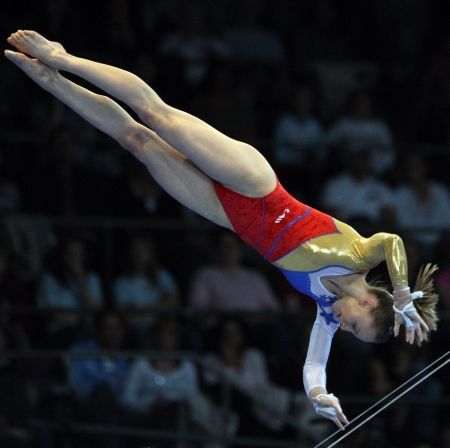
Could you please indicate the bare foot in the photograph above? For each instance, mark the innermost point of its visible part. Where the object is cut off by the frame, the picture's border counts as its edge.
(37, 71)
(37, 46)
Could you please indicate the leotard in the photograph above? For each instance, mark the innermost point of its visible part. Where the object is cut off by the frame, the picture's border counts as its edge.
(307, 245)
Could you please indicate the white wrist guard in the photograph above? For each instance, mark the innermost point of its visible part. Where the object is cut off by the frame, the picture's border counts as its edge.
(323, 410)
(409, 309)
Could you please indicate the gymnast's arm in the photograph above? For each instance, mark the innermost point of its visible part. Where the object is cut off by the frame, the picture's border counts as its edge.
(385, 246)
(314, 372)
(389, 247)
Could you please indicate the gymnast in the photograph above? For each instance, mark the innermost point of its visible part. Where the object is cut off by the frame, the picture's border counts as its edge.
(231, 184)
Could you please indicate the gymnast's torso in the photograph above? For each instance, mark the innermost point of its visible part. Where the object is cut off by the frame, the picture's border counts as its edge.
(306, 244)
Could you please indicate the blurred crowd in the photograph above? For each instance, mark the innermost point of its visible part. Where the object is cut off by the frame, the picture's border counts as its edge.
(349, 101)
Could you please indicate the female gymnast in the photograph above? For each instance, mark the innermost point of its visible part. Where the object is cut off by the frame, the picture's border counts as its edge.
(232, 184)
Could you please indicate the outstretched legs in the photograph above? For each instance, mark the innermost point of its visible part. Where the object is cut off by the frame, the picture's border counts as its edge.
(171, 170)
(233, 163)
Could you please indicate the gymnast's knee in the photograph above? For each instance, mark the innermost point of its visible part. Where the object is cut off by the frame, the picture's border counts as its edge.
(157, 115)
(134, 138)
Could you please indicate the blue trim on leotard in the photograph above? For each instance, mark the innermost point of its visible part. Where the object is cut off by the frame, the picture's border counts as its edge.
(301, 281)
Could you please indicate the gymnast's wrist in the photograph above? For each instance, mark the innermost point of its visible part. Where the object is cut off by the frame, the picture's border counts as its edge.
(402, 296)
(316, 390)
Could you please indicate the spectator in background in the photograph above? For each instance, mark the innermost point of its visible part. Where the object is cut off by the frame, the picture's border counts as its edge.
(360, 130)
(155, 387)
(247, 368)
(87, 375)
(299, 140)
(145, 285)
(299, 136)
(229, 286)
(69, 290)
(422, 204)
(357, 193)
(98, 381)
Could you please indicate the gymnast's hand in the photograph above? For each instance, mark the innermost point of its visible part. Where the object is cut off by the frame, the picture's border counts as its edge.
(327, 405)
(406, 313)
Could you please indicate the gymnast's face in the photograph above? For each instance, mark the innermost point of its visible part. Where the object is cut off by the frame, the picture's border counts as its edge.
(354, 316)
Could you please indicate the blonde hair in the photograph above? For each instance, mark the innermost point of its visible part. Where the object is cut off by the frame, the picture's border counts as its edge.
(426, 306)
(383, 314)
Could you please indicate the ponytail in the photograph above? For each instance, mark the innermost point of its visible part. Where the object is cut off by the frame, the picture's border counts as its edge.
(426, 306)
(383, 314)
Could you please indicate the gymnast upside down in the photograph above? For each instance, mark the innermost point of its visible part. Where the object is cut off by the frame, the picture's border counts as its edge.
(232, 184)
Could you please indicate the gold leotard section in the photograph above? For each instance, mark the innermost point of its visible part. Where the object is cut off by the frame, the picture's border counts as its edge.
(349, 249)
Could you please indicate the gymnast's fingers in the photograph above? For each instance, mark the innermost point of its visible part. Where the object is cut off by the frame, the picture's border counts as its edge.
(407, 335)
(338, 423)
(396, 328)
(425, 327)
(419, 332)
(422, 323)
(342, 417)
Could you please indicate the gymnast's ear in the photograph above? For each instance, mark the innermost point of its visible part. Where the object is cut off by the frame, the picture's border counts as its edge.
(368, 302)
